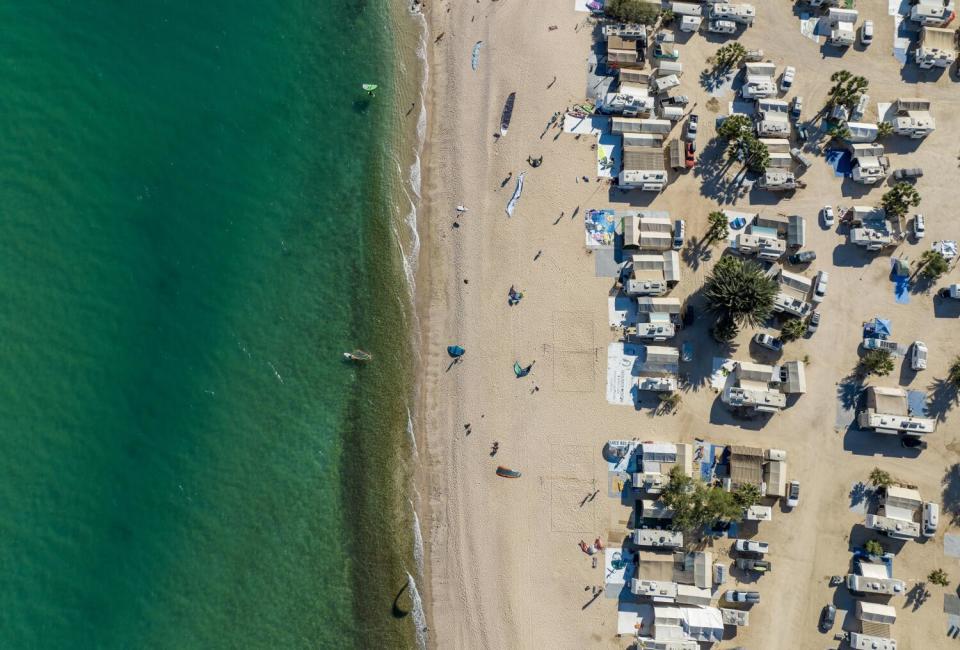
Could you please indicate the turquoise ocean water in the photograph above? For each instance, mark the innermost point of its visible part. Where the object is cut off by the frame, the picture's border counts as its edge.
(197, 216)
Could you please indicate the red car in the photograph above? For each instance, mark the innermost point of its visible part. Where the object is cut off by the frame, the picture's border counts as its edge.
(691, 155)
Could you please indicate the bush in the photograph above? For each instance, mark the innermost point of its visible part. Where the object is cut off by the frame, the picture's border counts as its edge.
(632, 11)
(880, 478)
(873, 547)
(939, 577)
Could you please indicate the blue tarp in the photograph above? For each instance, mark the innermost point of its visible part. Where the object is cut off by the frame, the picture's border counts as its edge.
(901, 289)
(917, 403)
(878, 328)
(840, 160)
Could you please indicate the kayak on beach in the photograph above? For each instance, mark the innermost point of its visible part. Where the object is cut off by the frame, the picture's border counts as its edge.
(506, 472)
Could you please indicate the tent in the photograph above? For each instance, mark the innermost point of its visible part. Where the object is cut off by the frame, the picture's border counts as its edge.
(878, 328)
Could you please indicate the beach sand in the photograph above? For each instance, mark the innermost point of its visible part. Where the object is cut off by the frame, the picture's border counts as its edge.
(504, 569)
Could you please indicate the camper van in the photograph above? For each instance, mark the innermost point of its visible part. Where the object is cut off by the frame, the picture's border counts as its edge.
(672, 113)
(663, 84)
(668, 68)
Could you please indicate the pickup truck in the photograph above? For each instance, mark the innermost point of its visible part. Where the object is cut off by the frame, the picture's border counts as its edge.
(749, 564)
(953, 291)
(880, 344)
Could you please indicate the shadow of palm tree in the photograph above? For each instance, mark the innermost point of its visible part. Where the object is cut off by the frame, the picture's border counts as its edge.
(941, 398)
(849, 389)
(696, 252)
(950, 496)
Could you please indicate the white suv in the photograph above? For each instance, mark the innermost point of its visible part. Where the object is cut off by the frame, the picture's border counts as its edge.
(820, 287)
(918, 356)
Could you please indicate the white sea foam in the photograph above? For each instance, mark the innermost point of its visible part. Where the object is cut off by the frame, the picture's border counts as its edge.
(417, 613)
(410, 432)
(417, 541)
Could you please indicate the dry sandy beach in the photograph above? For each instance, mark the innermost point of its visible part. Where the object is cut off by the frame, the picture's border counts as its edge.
(504, 569)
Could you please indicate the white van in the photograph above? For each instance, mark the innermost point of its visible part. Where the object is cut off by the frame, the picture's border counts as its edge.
(672, 113)
(722, 27)
(931, 518)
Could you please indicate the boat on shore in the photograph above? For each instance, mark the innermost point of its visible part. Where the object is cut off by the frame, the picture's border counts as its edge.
(506, 472)
(358, 355)
(507, 114)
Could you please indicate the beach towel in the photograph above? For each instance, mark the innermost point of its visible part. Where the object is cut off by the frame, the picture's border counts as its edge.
(516, 195)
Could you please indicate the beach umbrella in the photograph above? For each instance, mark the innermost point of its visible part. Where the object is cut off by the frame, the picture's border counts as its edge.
(455, 351)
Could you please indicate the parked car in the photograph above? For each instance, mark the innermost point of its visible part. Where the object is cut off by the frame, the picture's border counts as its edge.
(814, 322)
(804, 257)
(679, 100)
(908, 174)
(751, 546)
(918, 356)
(742, 596)
(750, 564)
(796, 107)
(931, 518)
(913, 442)
(919, 228)
(797, 154)
(828, 216)
(786, 81)
(679, 234)
(802, 134)
(767, 341)
(719, 573)
(692, 123)
(866, 33)
(828, 616)
(691, 156)
(820, 287)
(793, 494)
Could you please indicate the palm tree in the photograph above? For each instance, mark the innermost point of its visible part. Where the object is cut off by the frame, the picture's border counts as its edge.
(719, 228)
(746, 495)
(884, 129)
(880, 478)
(847, 89)
(792, 330)
(878, 362)
(953, 374)
(739, 292)
(725, 330)
(933, 264)
(900, 198)
(839, 132)
(758, 156)
(735, 127)
(731, 54)
(670, 401)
